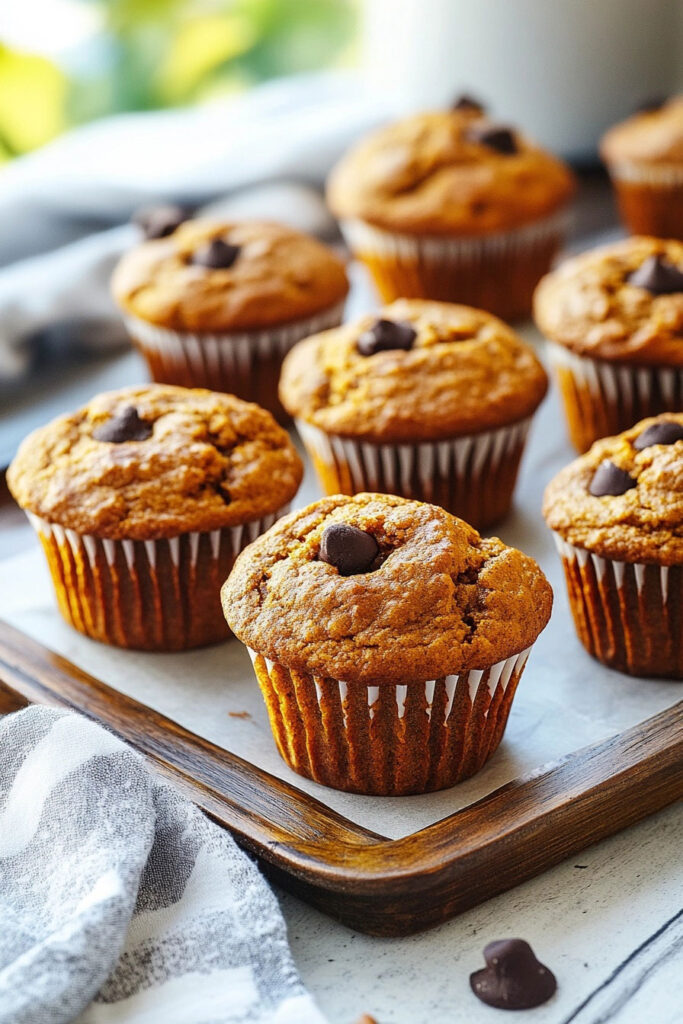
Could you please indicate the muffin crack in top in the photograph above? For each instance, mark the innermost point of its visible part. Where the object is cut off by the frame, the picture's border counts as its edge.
(156, 461)
(442, 601)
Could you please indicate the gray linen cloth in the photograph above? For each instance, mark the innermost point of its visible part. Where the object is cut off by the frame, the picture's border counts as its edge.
(120, 901)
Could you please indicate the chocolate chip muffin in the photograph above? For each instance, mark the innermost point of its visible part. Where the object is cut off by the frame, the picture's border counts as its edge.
(143, 499)
(452, 205)
(617, 515)
(428, 400)
(614, 317)
(388, 638)
(644, 156)
(217, 304)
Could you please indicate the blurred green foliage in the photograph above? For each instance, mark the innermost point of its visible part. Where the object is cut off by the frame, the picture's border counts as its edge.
(149, 54)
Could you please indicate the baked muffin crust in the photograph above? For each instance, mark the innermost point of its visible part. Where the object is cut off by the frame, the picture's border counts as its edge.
(588, 305)
(211, 461)
(443, 601)
(279, 276)
(427, 175)
(650, 137)
(645, 523)
(466, 372)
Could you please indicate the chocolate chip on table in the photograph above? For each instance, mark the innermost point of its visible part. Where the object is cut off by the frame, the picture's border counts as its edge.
(609, 479)
(495, 136)
(216, 254)
(349, 549)
(126, 426)
(385, 335)
(160, 221)
(657, 276)
(513, 978)
(665, 432)
(465, 102)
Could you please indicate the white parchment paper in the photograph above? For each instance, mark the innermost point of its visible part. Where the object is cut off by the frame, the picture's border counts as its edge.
(566, 700)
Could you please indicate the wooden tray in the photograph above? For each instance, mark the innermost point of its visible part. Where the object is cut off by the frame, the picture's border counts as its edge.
(373, 884)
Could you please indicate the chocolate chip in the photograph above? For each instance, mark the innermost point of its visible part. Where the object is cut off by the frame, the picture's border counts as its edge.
(467, 103)
(160, 221)
(126, 426)
(513, 978)
(385, 335)
(609, 479)
(349, 549)
(651, 105)
(495, 136)
(216, 254)
(664, 432)
(657, 276)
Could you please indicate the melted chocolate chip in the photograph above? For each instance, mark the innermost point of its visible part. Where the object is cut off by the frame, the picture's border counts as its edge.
(664, 432)
(657, 276)
(465, 102)
(513, 978)
(127, 426)
(160, 221)
(349, 549)
(216, 254)
(496, 136)
(609, 479)
(385, 335)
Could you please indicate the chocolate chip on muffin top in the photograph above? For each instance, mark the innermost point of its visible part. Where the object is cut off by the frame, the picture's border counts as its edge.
(622, 301)
(420, 371)
(212, 276)
(437, 599)
(623, 499)
(155, 461)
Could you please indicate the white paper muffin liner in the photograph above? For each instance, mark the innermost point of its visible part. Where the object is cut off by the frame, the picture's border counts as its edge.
(602, 398)
(472, 476)
(656, 175)
(628, 615)
(244, 363)
(388, 739)
(152, 594)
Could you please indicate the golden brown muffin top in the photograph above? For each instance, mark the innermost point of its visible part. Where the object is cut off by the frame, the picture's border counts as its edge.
(650, 137)
(203, 461)
(643, 523)
(442, 601)
(428, 174)
(589, 305)
(278, 276)
(466, 371)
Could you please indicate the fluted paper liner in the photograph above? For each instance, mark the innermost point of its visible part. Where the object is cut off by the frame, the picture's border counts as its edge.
(243, 363)
(159, 595)
(471, 476)
(497, 272)
(650, 197)
(628, 615)
(388, 740)
(602, 398)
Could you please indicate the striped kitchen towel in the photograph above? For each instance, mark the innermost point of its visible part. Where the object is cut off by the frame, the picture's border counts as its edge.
(119, 901)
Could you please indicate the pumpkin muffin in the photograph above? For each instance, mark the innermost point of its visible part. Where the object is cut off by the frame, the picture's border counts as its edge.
(217, 304)
(452, 205)
(614, 316)
(143, 499)
(428, 400)
(617, 515)
(644, 156)
(388, 639)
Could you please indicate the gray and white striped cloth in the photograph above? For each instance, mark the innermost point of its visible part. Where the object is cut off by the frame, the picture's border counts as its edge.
(119, 901)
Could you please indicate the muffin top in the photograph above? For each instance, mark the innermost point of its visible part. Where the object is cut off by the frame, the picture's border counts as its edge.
(651, 137)
(432, 371)
(448, 173)
(623, 499)
(622, 301)
(227, 276)
(437, 600)
(155, 461)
